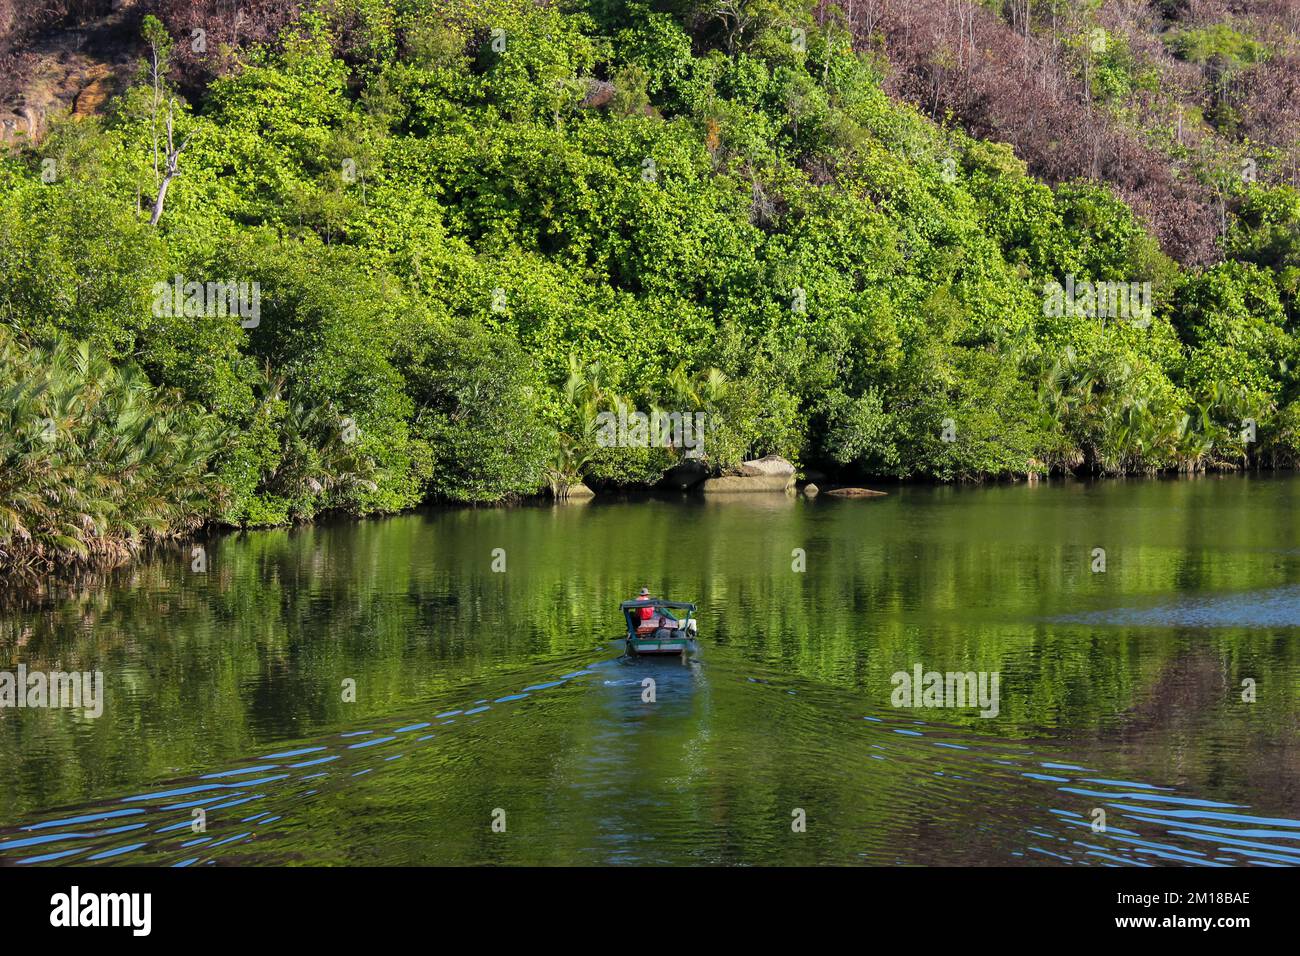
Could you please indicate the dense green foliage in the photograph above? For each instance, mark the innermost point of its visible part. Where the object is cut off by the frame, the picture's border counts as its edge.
(474, 229)
(94, 460)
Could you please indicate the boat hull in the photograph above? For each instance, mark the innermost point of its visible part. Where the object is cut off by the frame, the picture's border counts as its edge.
(642, 646)
(670, 636)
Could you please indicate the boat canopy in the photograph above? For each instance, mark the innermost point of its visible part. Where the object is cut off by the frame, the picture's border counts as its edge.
(680, 605)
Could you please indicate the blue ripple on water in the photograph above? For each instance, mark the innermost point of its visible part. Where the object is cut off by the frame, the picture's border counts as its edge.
(318, 760)
(38, 840)
(1206, 815)
(57, 837)
(87, 818)
(1230, 831)
(117, 851)
(238, 772)
(293, 753)
(203, 802)
(237, 836)
(1189, 801)
(52, 856)
(175, 826)
(1124, 783)
(236, 803)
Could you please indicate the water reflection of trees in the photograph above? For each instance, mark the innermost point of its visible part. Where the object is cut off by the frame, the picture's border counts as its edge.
(204, 667)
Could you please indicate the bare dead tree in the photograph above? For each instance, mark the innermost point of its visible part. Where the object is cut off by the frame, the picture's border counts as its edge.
(736, 17)
(157, 57)
(170, 170)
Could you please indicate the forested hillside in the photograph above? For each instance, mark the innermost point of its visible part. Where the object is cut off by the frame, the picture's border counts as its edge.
(1177, 104)
(459, 232)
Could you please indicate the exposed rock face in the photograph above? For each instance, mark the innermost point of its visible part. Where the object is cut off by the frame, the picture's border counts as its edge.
(67, 71)
(770, 465)
(15, 127)
(810, 490)
(772, 473)
(743, 483)
(99, 84)
(856, 493)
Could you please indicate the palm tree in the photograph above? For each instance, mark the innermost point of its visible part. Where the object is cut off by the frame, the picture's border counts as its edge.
(94, 461)
(320, 465)
(586, 394)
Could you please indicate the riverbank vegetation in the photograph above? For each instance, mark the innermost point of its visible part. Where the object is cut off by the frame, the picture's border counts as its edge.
(93, 459)
(471, 229)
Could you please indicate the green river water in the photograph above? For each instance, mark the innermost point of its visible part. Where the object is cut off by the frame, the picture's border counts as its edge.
(496, 720)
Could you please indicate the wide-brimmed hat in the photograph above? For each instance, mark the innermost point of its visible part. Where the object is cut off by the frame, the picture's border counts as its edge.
(645, 591)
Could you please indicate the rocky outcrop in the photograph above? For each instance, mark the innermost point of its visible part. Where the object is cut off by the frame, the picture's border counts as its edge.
(768, 465)
(685, 474)
(98, 80)
(769, 474)
(856, 493)
(728, 484)
(67, 71)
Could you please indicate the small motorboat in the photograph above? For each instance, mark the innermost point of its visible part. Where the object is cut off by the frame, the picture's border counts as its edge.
(669, 629)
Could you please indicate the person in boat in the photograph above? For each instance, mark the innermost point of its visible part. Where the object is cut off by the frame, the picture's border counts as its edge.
(645, 613)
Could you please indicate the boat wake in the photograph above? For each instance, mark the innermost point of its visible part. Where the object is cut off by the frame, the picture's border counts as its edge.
(898, 776)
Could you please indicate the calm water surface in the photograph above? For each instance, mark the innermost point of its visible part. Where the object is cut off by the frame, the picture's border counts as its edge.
(485, 696)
